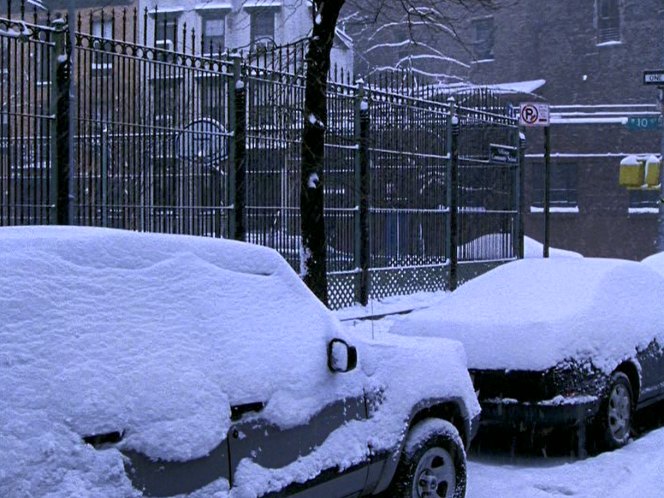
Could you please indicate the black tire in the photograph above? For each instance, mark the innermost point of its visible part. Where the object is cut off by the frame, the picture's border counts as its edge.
(433, 463)
(613, 424)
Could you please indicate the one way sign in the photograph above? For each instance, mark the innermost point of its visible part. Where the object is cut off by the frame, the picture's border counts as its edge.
(653, 77)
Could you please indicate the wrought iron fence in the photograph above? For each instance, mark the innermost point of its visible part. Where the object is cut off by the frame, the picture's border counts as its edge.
(168, 139)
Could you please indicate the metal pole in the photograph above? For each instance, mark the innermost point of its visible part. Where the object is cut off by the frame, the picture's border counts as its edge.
(63, 164)
(362, 174)
(104, 176)
(453, 192)
(547, 190)
(237, 184)
(521, 235)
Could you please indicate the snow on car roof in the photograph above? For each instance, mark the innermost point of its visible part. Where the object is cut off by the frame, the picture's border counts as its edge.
(112, 330)
(656, 262)
(533, 313)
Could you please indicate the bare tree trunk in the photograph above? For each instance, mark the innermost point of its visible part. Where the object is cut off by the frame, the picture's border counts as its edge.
(314, 264)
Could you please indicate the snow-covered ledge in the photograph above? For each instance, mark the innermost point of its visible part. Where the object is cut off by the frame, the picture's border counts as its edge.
(556, 209)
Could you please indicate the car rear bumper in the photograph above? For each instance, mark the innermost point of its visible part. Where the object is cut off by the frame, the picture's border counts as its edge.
(512, 413)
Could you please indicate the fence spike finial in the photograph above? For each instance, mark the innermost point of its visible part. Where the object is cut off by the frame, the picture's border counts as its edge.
(145, 26)
(135, 23)
(124, 24)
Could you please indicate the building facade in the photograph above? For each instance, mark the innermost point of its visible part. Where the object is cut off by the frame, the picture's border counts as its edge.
(586, 59)
(589, 57)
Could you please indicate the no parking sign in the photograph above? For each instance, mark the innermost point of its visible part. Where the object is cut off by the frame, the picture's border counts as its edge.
(534, 114)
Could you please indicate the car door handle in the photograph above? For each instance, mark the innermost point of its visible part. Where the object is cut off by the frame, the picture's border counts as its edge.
(238, 410)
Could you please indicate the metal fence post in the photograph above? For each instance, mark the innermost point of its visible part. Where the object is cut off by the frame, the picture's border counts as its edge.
(547, 191)
(362, 186)
(104, 175)
(453, 193)
(61, 139)
(237, 184)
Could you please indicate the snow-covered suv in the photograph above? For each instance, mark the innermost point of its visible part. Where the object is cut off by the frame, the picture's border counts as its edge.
(159, 365)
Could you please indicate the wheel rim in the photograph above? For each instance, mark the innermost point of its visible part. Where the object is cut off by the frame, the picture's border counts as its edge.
(435, 475)
(620, 410)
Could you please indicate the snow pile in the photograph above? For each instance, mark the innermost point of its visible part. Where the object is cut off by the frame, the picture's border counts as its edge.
(534, 249)
(533, 313)
(494, 245)
(656, 262)
(157, 336)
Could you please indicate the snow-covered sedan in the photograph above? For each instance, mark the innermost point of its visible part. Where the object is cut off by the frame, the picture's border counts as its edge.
(564, 341)
(656, 262)
(160, 365)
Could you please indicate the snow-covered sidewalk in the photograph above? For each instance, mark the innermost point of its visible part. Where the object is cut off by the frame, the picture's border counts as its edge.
(635, 470)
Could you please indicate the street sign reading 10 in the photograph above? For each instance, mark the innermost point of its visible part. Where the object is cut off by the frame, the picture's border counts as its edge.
(653, 77)
(644, 123)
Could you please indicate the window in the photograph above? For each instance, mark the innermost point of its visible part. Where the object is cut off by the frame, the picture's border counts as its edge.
(214, 31)
(483, 30)
(643, 201)
(262, 28)
(608, 21)
(166, 32)
(563, 193)
(102, 60)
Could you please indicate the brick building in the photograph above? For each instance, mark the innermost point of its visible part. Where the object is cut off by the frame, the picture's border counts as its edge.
(591, 55)
(586, 59)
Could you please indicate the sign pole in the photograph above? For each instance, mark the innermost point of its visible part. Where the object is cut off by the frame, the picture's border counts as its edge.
(660, 218)
(547, 190)
(538, 114)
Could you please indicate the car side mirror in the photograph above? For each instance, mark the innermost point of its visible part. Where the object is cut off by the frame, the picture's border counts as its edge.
(341, 357)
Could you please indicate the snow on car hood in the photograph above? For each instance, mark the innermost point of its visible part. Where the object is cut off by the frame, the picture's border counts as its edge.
(532, 314)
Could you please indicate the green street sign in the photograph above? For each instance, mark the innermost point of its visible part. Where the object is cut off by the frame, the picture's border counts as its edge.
(644, 123)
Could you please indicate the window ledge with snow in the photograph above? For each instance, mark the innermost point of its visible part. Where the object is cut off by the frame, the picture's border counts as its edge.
(610, 43)
(556, 209)
(214, 6)
(643, 210)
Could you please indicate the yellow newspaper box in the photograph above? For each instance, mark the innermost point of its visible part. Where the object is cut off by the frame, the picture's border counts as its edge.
(632, 172)
(653, 165)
